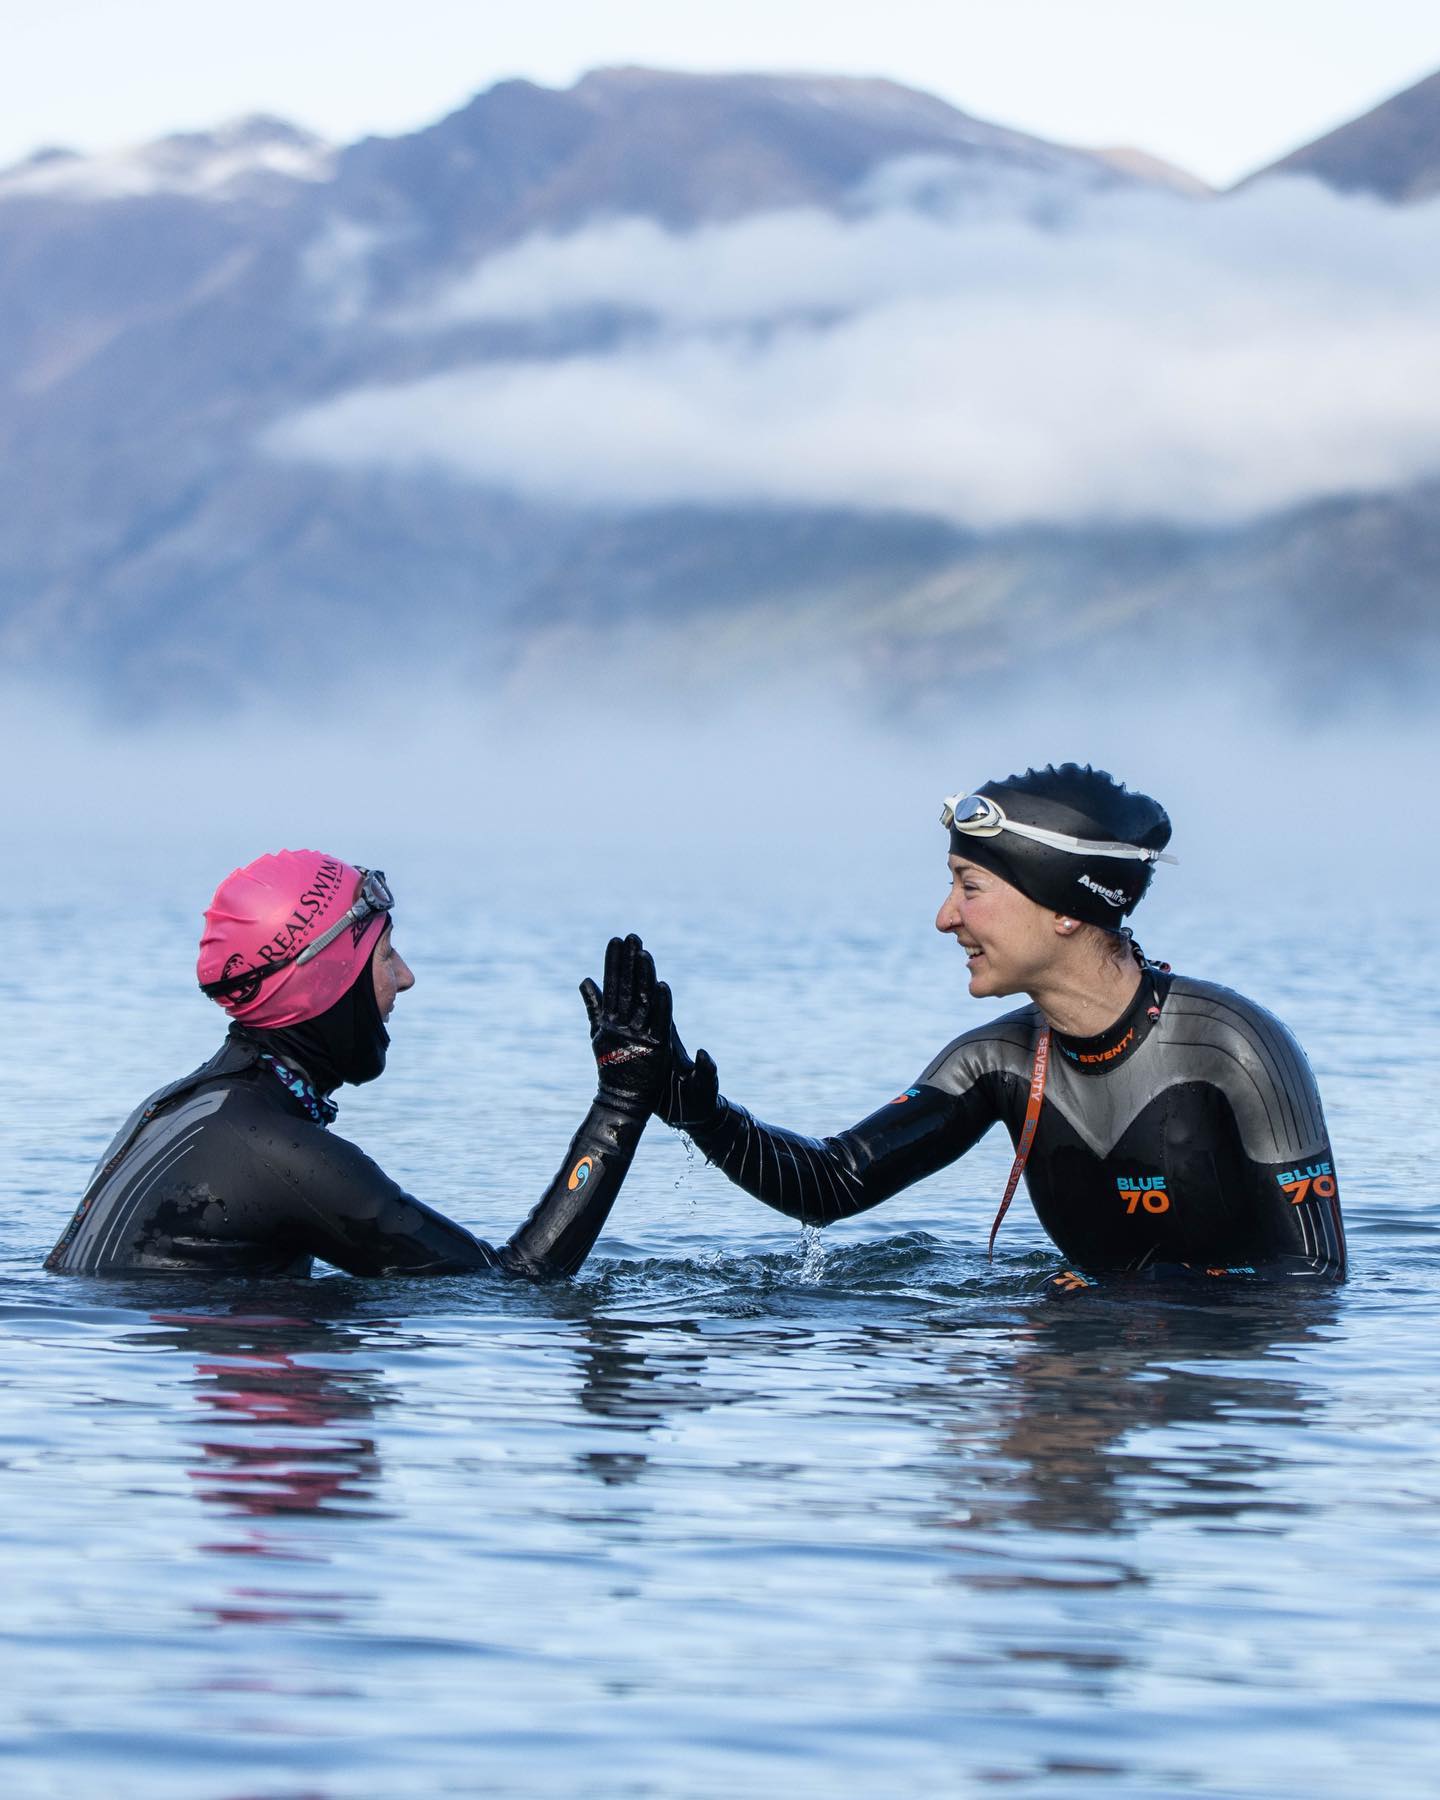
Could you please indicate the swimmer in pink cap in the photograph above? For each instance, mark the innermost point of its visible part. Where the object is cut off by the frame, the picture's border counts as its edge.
(233, 1169)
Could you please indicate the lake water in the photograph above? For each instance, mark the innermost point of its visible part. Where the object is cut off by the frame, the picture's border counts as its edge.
(741, 1509)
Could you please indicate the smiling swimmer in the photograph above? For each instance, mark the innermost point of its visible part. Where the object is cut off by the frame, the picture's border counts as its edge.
(1164, 1126)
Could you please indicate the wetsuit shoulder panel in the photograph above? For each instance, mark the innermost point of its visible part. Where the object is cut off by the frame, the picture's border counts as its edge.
(1219, 1036)
(146, 1153)
(1003, 1046)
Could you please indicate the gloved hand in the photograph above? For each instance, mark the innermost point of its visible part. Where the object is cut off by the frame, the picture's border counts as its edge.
(629, 1027)
(692, 1093)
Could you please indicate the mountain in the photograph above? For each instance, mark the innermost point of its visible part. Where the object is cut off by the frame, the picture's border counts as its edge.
(159, 309)
(1392, 151)
(164, 312)
(677, 148)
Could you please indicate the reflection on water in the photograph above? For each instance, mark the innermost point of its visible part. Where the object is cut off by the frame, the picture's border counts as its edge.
(284, 1439)
(1090, 1416)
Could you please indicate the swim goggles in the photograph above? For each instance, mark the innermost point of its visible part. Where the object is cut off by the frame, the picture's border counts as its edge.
(374, 897)
(977, 815)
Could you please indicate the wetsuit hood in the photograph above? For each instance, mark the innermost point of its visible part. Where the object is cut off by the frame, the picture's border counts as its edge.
(1084, 803)
(345, 1043)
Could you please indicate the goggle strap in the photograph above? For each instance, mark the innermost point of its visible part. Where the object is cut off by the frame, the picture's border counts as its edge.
(994, 820)
(1061, 840)
(360, 910)
(217, 990)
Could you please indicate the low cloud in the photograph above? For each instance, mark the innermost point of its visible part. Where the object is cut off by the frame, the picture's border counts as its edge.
(1135, 356)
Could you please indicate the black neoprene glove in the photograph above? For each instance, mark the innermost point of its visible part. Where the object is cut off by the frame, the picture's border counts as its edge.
(630, 1030)
(691, 1095)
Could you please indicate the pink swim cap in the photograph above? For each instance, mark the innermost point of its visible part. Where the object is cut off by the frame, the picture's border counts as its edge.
(267, 913)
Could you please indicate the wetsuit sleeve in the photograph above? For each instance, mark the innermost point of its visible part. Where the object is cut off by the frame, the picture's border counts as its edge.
(1289, 1189)
(1297, 1215)
(819, 1180)
(561, 1231)
(346, 1210)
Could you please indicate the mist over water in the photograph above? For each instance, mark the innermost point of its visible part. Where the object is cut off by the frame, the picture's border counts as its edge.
(624, 785)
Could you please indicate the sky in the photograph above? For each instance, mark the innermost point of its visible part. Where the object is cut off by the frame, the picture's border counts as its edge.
(1219, 87)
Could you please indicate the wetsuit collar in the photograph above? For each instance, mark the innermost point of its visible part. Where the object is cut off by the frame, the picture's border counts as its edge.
(1119, 1042)
(297, 1083)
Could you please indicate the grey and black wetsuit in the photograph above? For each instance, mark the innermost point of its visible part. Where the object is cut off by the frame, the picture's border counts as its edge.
(228, 1172)
(1187, 1138)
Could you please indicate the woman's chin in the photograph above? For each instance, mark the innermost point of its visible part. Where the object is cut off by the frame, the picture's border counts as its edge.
(985, 984)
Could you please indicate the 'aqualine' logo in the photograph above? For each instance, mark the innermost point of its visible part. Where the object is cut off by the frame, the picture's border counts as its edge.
(1111, 896)
(580, 1174)
(909, 1094)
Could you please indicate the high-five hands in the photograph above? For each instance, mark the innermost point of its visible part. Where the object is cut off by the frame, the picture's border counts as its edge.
(692, 1093)
(630, 1029)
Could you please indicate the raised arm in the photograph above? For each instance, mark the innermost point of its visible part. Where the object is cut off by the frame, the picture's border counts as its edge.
(630, 1036)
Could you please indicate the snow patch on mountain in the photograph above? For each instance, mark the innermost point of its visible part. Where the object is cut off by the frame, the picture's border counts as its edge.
(205, 165)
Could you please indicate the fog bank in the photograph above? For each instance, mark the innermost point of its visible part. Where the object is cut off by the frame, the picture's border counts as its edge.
(637, 799)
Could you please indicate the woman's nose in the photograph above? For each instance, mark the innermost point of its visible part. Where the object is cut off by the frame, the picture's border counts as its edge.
(948, 916)
(404, 976)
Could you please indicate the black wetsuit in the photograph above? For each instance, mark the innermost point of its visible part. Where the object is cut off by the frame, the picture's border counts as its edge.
(226, 1172)
(1187, 1141)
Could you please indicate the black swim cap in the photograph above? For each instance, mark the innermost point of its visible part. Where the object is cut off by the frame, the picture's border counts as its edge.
(1080, 803)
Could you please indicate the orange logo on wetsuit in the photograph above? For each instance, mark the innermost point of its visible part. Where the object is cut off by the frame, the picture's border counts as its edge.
(1143, 1190)
(1104, 1056)
(1316, 1181)
(580, 1174)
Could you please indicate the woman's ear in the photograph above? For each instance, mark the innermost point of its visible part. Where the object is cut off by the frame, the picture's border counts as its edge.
(1066, 925)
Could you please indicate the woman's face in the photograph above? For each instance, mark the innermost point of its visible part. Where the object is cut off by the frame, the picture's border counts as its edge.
(1009, 942)
(392, 974)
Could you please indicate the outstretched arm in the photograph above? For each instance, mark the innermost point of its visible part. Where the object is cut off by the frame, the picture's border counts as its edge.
(819, 1180)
